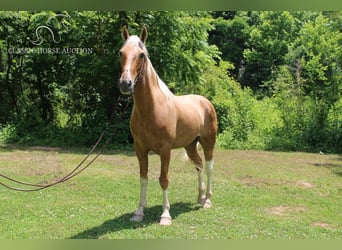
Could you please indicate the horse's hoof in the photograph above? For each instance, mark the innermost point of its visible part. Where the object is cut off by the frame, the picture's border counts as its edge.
(207, 204)
(201, 200)
(165, 221)
(137, 217)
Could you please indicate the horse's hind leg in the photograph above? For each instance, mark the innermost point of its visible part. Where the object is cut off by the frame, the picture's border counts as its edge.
(208, 148)
(191, 151)
(209, 170)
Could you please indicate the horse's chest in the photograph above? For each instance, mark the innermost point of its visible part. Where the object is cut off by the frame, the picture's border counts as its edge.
(151, 129)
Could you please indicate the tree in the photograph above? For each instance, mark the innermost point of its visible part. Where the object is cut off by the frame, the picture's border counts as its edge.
(268, 44)
(47, 88)
(318, 49)
(308, 88)
(178, 47)
(231, 37)
(12, 34)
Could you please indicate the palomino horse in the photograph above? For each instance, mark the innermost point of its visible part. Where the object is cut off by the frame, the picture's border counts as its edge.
(161, 121)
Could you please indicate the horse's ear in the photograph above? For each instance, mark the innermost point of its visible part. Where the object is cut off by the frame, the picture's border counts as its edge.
(143, 34)
(124, 33)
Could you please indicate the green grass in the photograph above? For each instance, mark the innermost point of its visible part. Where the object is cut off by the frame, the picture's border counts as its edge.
(256, 194)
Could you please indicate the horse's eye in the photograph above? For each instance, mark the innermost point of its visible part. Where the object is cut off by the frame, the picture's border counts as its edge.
(120, 53)
(142, 55)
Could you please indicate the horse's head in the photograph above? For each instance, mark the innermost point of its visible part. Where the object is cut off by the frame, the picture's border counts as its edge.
(133, 55)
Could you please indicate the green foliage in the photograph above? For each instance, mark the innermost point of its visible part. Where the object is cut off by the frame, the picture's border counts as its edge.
(293, 62)
(63, 94)
(247, 123)
(309, 89)
(288, 64)
(267, 46)
(231, 37)
(293, 110)
(244, 122)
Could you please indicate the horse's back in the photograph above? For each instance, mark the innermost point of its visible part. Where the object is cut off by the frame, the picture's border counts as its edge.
(196, 107)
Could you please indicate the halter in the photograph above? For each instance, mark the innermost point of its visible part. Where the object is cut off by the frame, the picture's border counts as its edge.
(139, 76)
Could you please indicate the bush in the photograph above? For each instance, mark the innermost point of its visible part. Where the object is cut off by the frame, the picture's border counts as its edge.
(85, 134)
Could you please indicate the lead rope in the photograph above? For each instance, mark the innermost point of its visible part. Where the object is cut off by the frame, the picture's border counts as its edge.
(78, 169)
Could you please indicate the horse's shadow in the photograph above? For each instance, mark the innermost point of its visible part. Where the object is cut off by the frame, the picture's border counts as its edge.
(152, 216)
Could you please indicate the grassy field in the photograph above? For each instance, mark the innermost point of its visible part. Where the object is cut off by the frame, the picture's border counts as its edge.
(264, 195)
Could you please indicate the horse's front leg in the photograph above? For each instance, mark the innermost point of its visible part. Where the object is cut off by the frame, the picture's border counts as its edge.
(138, 215)
(164, 182)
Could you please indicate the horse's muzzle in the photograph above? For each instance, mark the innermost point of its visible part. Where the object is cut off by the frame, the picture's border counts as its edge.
(126, 86)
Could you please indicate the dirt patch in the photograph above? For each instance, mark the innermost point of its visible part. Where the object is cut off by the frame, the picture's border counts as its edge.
(44, 164)
(32, 163)
(323, 225)
(48, 149)
(285, 210)
(304, 184)
(251, 181)
(254, 181)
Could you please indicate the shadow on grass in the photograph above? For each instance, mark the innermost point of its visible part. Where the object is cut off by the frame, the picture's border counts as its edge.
(127, 151)
(152, 216)
(10, 148)
(335, 168)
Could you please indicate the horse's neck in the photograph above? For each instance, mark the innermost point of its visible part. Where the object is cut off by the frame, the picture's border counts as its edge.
(150, 90)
